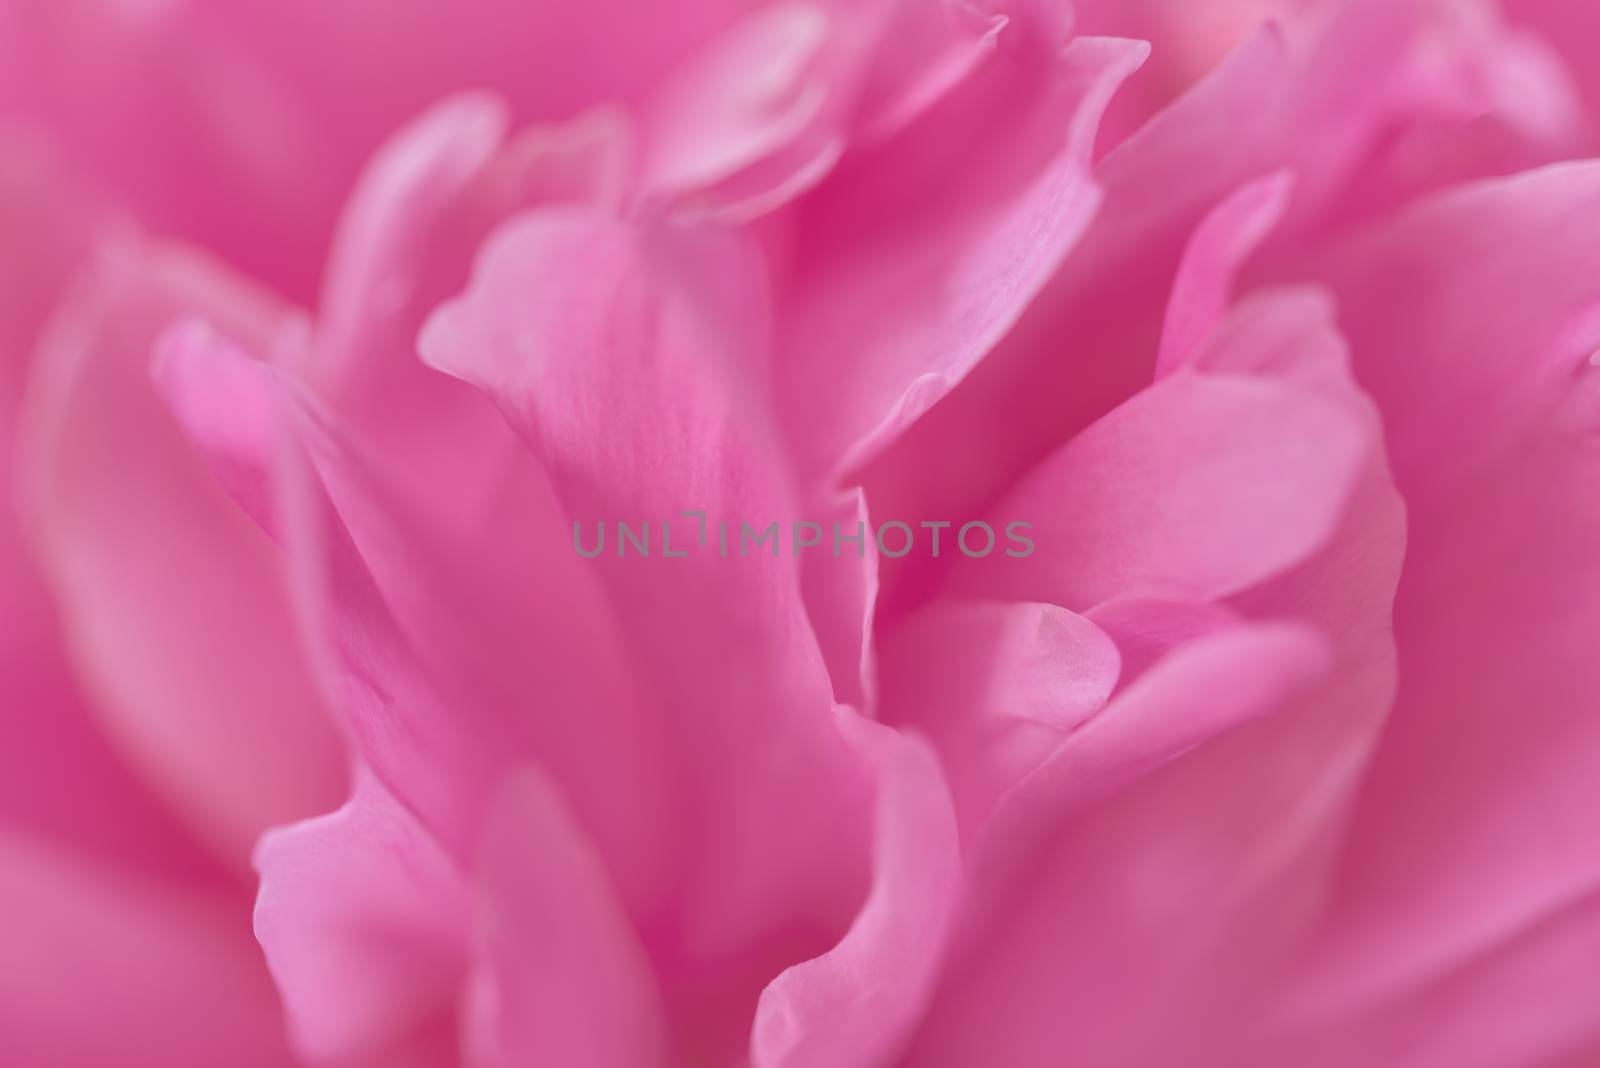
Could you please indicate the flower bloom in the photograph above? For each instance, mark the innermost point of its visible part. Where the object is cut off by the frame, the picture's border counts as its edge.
(1098, 560)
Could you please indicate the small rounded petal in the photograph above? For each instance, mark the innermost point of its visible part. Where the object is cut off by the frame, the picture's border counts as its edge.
(1064, 924)
(996, 686)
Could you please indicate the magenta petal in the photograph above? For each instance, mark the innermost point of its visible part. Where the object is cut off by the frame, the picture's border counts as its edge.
(103, 967)
(925, 51)
(1525, 1000)
(905, 279)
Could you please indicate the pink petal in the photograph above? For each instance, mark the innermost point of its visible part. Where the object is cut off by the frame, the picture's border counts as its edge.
(174, 606)
(1199, 487)
(1526, 1000)
(202, 118)
(1568, 27)
(996, 686)
(406, 243)
(757, 91)
(1145, 629)
(1088, 341)
(423, 204)
(104, 967)
(1202, 292)
(59, 776)
(903, 279)
(855, 1006)
(415, 626)
(363, 920)
(568, 981)
(225, 402)
(1486, 293)
(1284, 99)
(629, 359)
(841, 594)
(924, 51)
(1238, 839)
(1074, 941)
(1186, 41)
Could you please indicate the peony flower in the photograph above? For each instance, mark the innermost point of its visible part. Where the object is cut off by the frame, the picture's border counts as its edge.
(897, 534)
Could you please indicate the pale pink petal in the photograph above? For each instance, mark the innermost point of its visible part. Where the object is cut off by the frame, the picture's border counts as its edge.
(996, 686)
(1197, 488)
(379, 260)
(1568, 27)
(1201, 690)
(1186, 41)
(1473, 320)
(629, 358)
(855, 1006)
(757, 91)
(225, 401)
(364, 923)
(1202, 292)
(762, 115)
(567, 981)
(1074, 941)
(405, 243)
